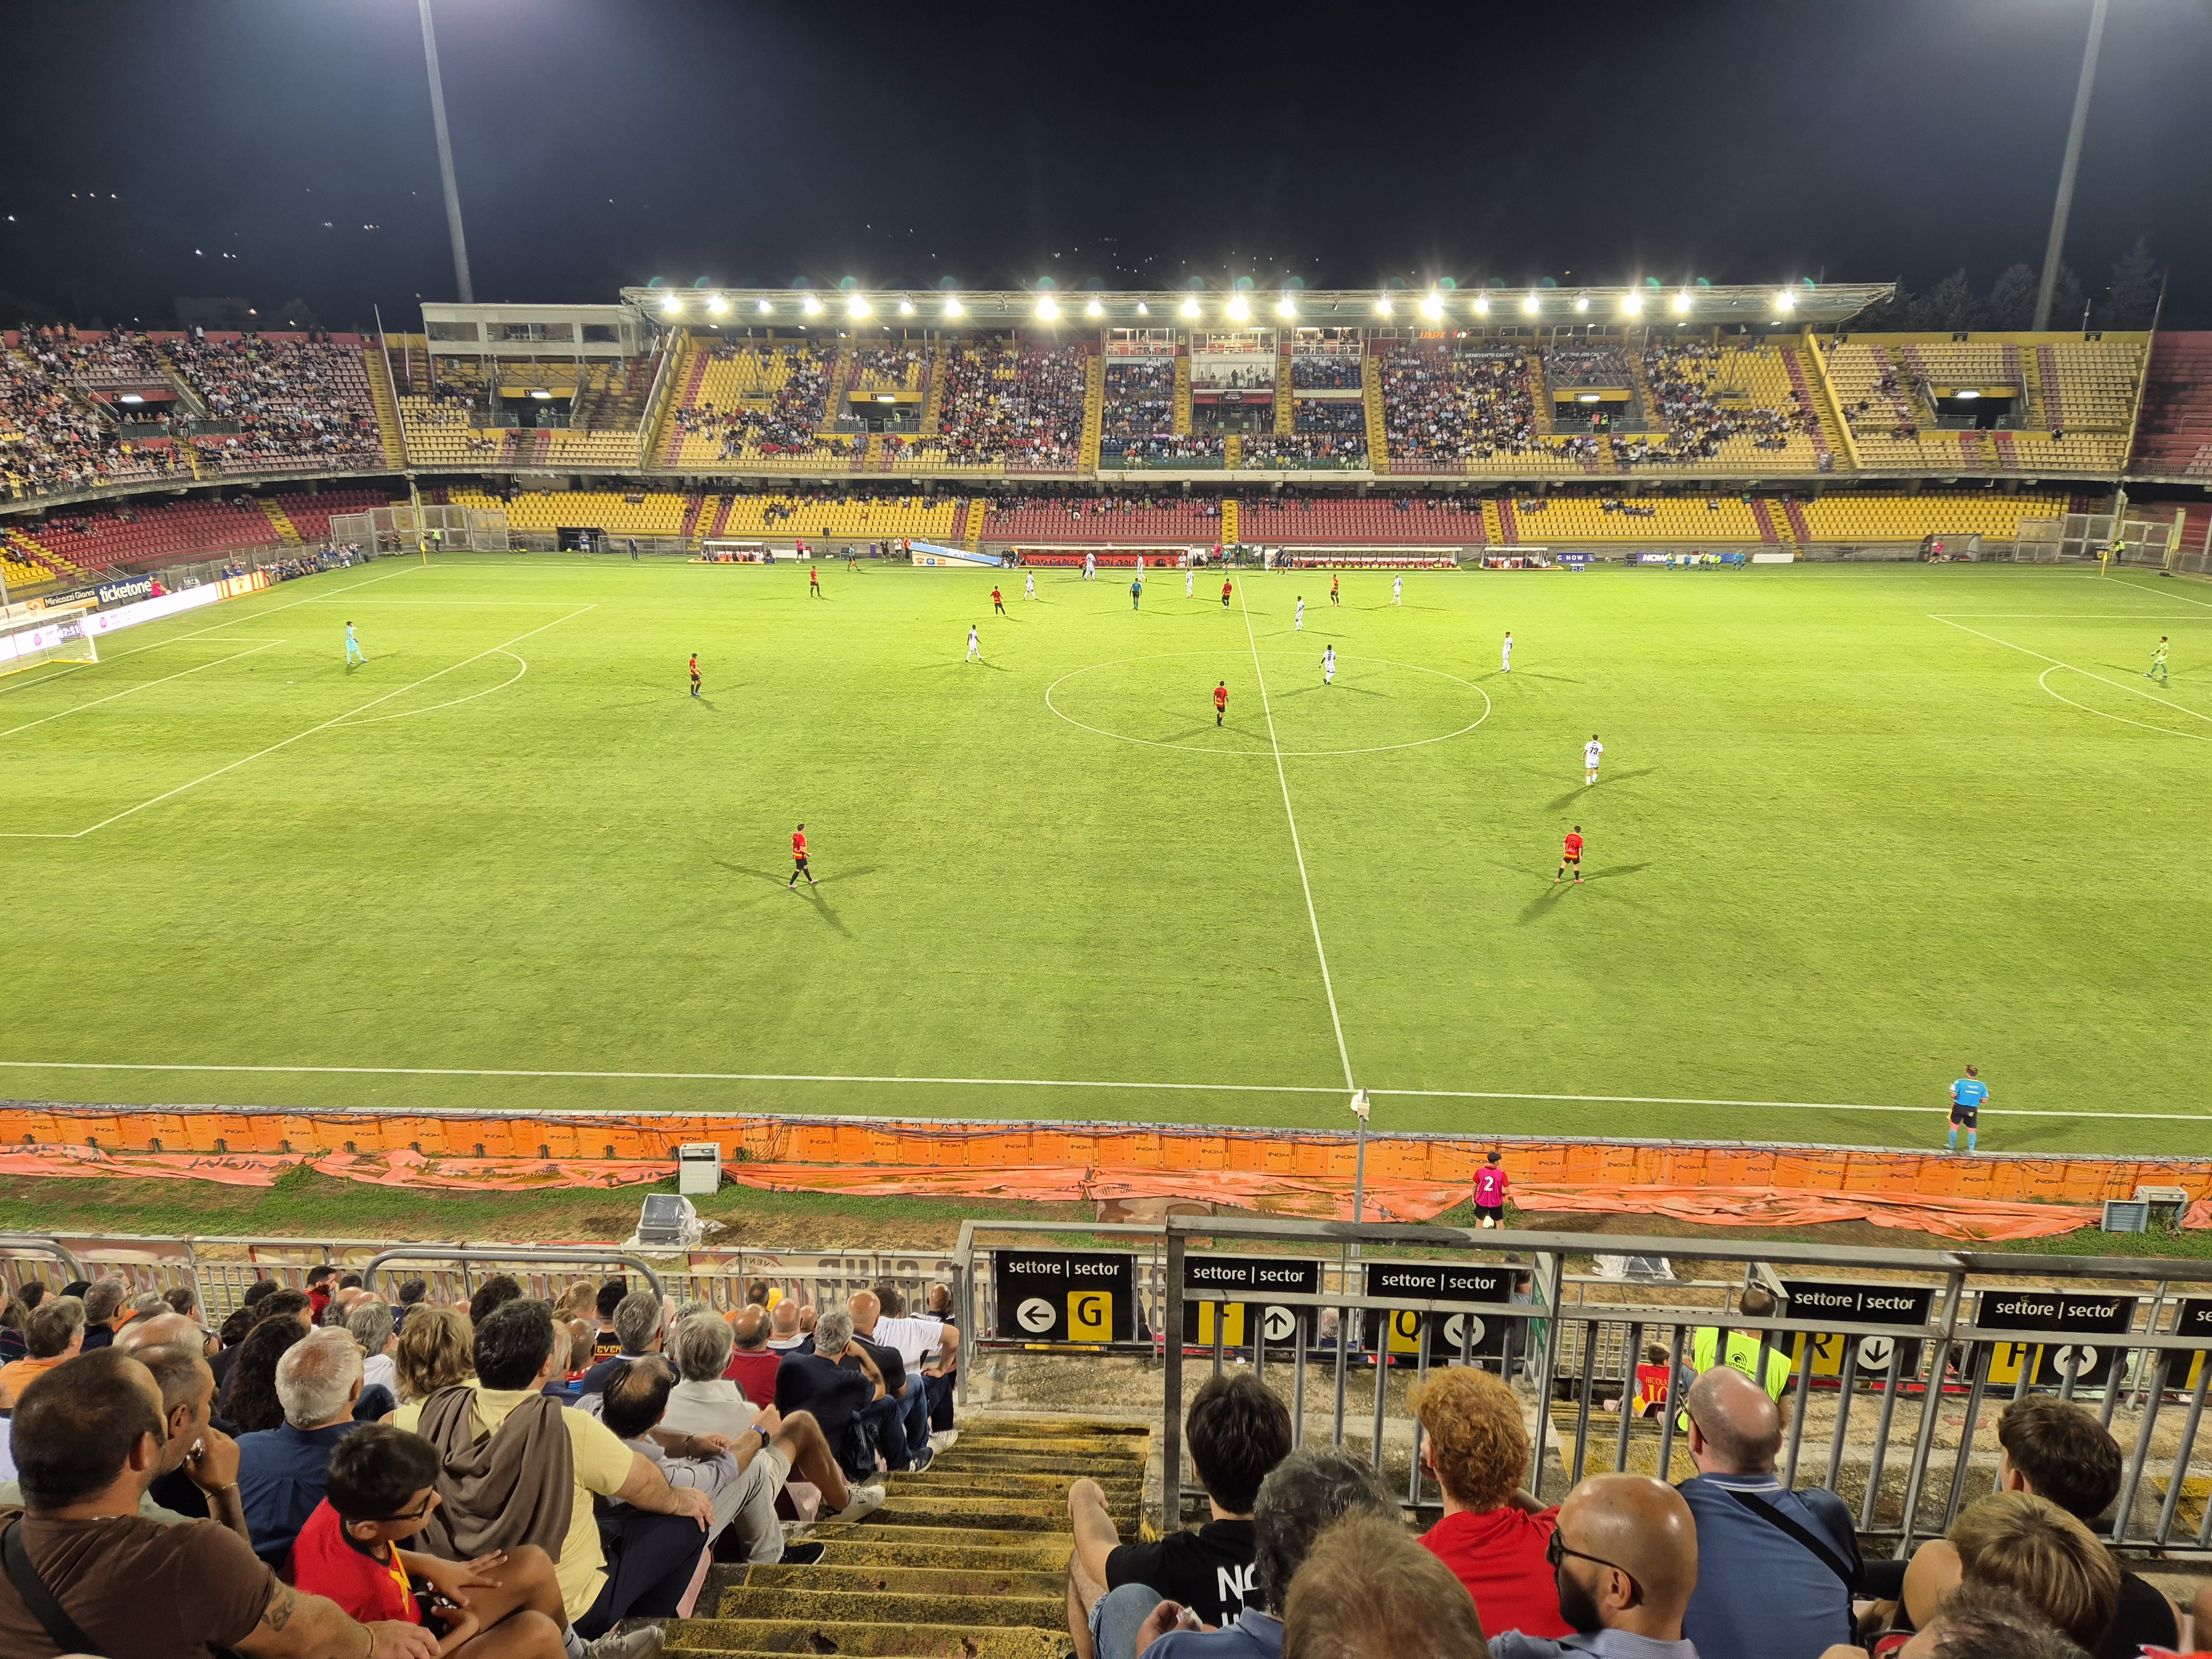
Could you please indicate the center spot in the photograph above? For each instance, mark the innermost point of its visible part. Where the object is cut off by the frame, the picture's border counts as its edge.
(1165, 700)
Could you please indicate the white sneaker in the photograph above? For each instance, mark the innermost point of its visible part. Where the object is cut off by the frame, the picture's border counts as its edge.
(641, 1643)
(866, 1500)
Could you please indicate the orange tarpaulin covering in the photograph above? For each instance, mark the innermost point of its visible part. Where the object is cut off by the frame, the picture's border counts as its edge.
(1774, 1206)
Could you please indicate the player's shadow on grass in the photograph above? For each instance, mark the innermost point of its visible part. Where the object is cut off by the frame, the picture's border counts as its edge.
(1354, 690)
(1537, 674)
(1582, 793)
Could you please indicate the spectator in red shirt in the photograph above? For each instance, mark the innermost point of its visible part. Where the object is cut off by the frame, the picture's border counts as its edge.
(1493, 1535)
(752, 1362)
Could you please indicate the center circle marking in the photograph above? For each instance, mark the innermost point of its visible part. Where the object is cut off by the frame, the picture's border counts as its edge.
(1288, 754)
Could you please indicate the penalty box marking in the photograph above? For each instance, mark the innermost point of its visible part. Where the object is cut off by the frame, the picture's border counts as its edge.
(286, 743)
(1048, 1083)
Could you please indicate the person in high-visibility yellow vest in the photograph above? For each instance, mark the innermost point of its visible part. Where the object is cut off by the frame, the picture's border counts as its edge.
(1757, 1302)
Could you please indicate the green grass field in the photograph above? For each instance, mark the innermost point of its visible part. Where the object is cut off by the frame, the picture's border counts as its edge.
(1842, 848)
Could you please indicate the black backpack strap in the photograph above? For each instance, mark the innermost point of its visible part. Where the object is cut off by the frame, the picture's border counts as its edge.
(38, 1598)
(1823, 1551)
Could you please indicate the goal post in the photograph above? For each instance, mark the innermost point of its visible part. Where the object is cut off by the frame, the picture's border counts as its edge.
(58, 638)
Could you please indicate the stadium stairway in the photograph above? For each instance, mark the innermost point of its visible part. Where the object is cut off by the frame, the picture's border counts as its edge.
(1813, 394)
(1378, 433)
(1182, 393)
(1539, 396)
(1286, 412)
(840, 376)
(689, 370)
(933, 396)
(965, 1560)
(1763, 512)
(287, 534)
(387, 408)
(1094, 414)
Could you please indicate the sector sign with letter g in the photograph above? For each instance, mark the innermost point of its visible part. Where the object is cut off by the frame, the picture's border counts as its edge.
(1065, 1295)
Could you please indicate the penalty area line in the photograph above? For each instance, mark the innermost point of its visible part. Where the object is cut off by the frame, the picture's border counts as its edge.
(1045, 1083)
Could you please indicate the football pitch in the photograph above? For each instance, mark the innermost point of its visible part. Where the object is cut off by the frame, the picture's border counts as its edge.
(1856, 828)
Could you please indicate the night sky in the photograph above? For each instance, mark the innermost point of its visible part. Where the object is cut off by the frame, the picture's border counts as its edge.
(275, 149)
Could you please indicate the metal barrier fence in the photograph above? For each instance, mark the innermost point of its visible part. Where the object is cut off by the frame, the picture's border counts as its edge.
(1918, 1340)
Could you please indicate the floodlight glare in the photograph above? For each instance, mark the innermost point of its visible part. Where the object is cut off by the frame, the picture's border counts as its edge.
(1632, 303)
(1383, 307)
(1432, 307)
(856, 306)
(1966, 396)
(1582, 303)
(764, 308)
(886, 397)
(1682, 301)
(1785, 300)
(813, 305)
(1285, 309)
(1143, 310)
(951, 306)
(1094, 309)
(1532, 305)
(1047, 309)
(539, 392)
(1238, 311)
(717, 304)
(130, 397)
(906, 307)
(1482, 305)
(670, 302)
(1190, 306)
(1586, 397)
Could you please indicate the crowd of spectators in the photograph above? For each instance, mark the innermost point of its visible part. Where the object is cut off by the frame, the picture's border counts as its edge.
(1444, 403)
(358, 1462)
(1139, 396)
(1163, 449)
(887, 366)
(1330, 447)
(1105, 501)
(1329, 415)
(51, 444)
(1728, 1564)
(1683, 376)
(789, 422)
(1018, 405)
(303, 401)
(1333, 373)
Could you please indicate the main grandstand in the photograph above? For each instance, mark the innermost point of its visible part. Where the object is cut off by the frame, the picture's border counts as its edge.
(1608, 422)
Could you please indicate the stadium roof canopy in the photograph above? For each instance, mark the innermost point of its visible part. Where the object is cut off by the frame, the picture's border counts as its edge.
(1641, 306)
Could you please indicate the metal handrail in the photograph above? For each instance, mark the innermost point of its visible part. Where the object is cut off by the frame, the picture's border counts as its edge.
(577, 1258)
(53, 1247)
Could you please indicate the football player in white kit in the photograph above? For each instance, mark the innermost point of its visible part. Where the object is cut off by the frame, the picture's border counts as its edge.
(975, 643)
(1189, 575)
(1591, 751)
(1505, 664)
(1090, 567)
(1300, 626)
(1397, 590)
(1029, 585)
(1329, 666)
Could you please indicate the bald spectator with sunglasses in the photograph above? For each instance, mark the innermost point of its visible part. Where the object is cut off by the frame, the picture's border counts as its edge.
(1624, 1559)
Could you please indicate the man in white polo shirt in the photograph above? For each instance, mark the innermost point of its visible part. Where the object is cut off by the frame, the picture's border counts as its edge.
(926, 1346)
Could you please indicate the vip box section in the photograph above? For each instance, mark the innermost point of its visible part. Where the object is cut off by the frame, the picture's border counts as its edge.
(1278, 1324)
(1049, 1298)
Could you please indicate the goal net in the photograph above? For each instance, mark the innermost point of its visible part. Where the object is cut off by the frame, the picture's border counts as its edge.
(64, 639)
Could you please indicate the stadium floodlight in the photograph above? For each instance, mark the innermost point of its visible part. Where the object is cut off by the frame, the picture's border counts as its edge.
(1094, 309)
(952, 305)
(1785, 300)
(857, 307)
(1143, 310)
(764, 308)
(1582, 303)
(1284, 309)
(1238, 311)
(1190, 308)
(539, 392)
(1433, 306)
(1383, 307)
(671, 303)
(717, 304)
(1482, 305)
(1532, 305)
(1682, 301)
(1632, 303)
(906, 307)
(1047, 310)
(813, 305)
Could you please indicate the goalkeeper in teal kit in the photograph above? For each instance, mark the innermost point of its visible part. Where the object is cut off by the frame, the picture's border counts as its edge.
(1967, 1095)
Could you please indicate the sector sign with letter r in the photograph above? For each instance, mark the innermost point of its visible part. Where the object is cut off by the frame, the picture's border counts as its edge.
(1852, 1302)
(1444, 1334)
(1065, 1295)
(1253, 1317)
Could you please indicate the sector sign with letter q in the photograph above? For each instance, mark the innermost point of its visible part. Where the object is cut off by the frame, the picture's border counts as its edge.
(1253, 1318)
(1850, 1301)
(1446, 1333)
(1065, 1295)
(2093, 1321)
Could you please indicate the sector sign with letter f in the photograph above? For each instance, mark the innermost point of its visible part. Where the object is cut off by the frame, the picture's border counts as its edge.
(1046, 1297)
(1251, 1317)
(2098, 1325)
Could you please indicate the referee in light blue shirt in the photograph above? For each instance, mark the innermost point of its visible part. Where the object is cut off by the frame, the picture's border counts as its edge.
(1967, 1095)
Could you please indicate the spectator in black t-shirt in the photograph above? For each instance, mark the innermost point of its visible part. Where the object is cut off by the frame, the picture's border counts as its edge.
(1237, 1432)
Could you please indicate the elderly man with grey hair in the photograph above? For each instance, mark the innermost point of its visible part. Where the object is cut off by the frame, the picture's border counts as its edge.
(640, 1322)
(103, 1300)
(281, 1472)
(840, 1385)
(369, 1322)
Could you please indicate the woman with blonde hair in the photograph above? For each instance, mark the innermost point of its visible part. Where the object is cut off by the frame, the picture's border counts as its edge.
(437, 1349)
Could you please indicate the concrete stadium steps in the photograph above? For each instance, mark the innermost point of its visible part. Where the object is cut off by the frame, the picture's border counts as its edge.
(965, 1560)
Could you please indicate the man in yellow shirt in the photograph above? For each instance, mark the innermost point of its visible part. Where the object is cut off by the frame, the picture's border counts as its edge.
(485, 1501)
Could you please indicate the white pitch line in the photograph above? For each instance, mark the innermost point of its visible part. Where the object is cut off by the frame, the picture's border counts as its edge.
(2163, 592)
(1282, 778)
(286, 743)
(128, 690)
(2117, 685)
(1045, 1083)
